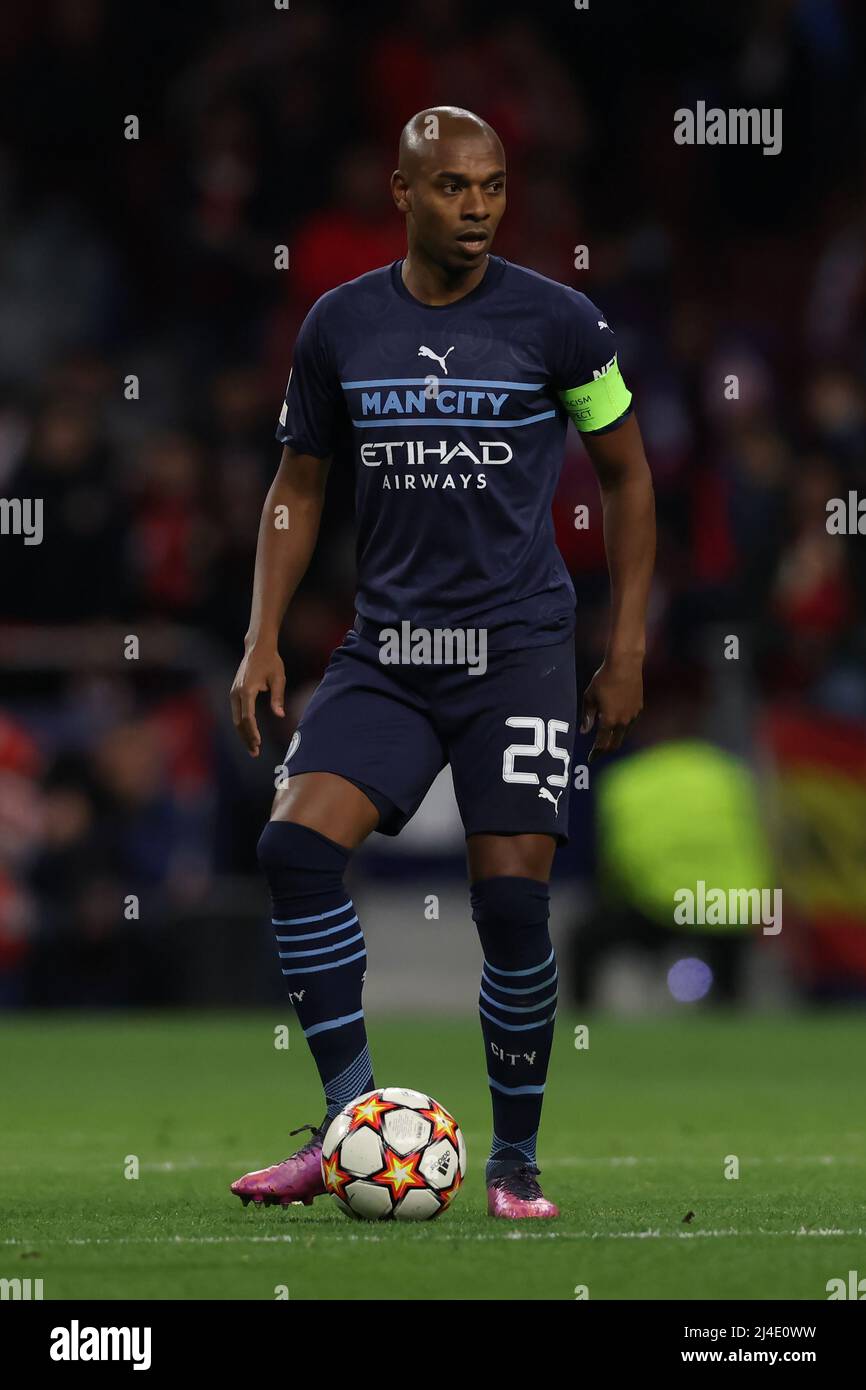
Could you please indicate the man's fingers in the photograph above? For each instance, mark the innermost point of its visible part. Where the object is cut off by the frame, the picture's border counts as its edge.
(278, 693)
(588, 712)
(243, 702)
(608, 737)
(248, 728)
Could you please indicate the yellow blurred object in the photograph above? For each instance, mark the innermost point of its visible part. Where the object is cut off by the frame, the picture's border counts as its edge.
(675, 816)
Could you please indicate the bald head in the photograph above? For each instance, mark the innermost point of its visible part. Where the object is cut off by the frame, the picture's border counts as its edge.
(450, 187)
(424, 135)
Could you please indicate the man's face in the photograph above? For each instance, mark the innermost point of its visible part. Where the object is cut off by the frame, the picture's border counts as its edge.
(455, 200)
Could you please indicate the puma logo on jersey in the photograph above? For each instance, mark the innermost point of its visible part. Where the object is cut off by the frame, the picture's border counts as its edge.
(428, 352)
(297, 996)
(602, 324)
(542, 791)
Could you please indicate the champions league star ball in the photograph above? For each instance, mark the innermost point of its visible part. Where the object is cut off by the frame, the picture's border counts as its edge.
(393, 1154)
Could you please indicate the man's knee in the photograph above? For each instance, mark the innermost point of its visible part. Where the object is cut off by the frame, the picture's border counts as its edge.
(508, 902)
(298, 860)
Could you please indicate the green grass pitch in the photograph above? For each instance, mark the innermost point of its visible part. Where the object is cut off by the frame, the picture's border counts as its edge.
(635, 1135)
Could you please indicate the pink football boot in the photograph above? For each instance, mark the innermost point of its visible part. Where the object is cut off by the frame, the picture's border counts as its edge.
(297, 1179)
(518, 1195)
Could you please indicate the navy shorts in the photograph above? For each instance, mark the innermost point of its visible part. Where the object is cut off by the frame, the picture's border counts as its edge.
(508, 733)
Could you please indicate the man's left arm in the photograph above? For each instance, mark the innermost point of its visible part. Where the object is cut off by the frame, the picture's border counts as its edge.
(614, 696)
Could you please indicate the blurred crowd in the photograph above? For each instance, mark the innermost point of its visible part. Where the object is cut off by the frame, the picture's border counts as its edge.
(147, 337)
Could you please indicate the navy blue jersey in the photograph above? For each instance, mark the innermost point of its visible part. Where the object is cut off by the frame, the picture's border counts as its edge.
(456, 417)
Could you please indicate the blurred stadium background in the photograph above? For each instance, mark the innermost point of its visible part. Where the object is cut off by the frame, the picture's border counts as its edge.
(155, 258)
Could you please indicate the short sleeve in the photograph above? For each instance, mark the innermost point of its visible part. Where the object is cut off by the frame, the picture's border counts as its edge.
(586, 373)
(313, 408)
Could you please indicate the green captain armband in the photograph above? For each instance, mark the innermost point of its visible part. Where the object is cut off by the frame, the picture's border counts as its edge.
(600, 401)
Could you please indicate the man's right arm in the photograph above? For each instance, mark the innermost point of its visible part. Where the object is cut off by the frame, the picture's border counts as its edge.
(287, 537)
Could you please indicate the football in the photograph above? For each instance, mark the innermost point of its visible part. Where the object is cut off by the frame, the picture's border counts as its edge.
(393, 1155)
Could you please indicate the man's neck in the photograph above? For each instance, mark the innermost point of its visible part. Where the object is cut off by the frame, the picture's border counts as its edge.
(432, 284)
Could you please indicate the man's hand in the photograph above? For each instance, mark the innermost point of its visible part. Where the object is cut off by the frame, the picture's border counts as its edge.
(282, 557)
(261, 669)
(614, 697)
